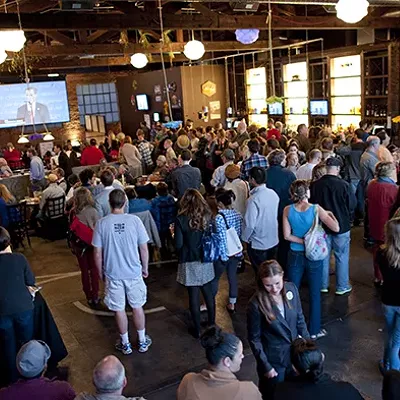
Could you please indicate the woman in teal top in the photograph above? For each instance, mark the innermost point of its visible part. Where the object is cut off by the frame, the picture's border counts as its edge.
(297, 221)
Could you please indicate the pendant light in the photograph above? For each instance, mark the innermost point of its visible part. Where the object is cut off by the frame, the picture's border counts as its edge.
(12, 40)
(139, 60)
(48, 136)
(3, 56)
(352, 11)
(194, 50)
(23, 140)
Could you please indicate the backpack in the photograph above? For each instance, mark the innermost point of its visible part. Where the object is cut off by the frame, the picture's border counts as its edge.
(210, 243)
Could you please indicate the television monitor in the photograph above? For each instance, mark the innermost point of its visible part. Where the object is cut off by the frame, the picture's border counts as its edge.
(275, 109)
(142, 102)
(319, 107)
(39, 103)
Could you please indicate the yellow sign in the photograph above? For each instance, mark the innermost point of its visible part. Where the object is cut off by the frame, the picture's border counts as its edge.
(209, 88)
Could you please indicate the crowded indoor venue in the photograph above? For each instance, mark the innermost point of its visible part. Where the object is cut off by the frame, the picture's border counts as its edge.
(199, 199)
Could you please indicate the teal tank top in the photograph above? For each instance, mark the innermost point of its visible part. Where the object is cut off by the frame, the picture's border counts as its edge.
(300, 222)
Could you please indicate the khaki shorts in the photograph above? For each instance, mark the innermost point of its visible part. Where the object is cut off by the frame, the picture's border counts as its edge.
(116, 291)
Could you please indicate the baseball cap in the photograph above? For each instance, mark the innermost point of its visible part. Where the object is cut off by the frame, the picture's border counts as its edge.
(32, 358)
(334, 162)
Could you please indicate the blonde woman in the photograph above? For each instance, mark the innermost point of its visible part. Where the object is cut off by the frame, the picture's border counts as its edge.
(131, 155)
(388, 259)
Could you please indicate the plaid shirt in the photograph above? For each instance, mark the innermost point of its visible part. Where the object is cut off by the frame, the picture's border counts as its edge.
(255, 160)
(163, 210)
(145, 150)
(233, 219)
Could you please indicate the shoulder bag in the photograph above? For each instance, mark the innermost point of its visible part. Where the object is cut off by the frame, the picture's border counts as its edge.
(316, 246)
(233, 244)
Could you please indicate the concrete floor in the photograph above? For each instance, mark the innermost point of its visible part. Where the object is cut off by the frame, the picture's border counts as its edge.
(353, 346)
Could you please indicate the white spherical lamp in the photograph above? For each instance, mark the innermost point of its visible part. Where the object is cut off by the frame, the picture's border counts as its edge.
(12, 40)
(194, 50)
(3, 56)
(352, 11)
(139, 60)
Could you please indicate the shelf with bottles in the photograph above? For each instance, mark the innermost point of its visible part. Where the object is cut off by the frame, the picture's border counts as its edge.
(344, 121)
(375, 110)
(376, 65)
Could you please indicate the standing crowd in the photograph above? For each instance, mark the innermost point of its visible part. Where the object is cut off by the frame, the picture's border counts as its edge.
(285, 200)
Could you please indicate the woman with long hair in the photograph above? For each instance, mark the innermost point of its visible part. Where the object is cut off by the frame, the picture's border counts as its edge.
(6, 198)
(84, 219)
(274, 319)
(225, 219)
(221, 144)
(6, 195)
(193, 220)
(298, 218)
(224, 353)
(311, 382)
(388, 259)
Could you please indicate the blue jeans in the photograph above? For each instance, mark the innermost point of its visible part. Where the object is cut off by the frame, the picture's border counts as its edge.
(358, 190)
(15, 330)
(340, 245)
(391, 358)
(298, 264)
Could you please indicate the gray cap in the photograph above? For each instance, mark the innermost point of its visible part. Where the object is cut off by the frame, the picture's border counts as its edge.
(228, 154)
(32, 358)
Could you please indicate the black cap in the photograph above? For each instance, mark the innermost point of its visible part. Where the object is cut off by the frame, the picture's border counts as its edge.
(334, 162)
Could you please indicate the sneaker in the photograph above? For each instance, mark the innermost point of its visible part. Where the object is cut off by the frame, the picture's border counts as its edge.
(124, 348)
(325, 290)
(144, 346)
(319, 335)
(203, 308)
(345, 291)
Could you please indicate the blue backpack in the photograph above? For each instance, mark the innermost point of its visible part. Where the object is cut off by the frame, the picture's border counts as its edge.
(210, 245)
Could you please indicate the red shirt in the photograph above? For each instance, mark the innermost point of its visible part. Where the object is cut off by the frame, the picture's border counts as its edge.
(13, 155)
(38, 389)
(273, 132)
(381, 198)
(91, 156)
(114, 155)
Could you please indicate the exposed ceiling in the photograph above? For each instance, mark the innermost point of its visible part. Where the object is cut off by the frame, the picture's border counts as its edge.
(69, 34)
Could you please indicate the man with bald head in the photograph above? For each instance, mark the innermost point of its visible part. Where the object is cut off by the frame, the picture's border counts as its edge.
(109, 379)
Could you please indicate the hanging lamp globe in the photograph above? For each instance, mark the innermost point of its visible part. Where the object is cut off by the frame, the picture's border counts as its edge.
(247, 36)
(194, 50)
(23, 140)
(12, 40)
(139, 60)
(352, 11)
(3, 56)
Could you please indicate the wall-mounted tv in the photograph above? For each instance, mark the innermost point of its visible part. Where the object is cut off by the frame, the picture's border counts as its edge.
(319, 108)
(142, 102)
(38, 103)
(275, 109)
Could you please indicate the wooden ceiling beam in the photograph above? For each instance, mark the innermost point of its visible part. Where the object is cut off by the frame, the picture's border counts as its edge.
(36, 50)
(97, 62)
(59, 37)
(146, 21)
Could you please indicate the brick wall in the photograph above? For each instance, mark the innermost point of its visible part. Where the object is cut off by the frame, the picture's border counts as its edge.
(73, 129)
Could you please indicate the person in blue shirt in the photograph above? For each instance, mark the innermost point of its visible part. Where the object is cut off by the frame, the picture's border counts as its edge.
(163, 210)
(136, 204)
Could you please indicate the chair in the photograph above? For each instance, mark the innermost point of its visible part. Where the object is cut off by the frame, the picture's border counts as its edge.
(55, 222)
(18, 223)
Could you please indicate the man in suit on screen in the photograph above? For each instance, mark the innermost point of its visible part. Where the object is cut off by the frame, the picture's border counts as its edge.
(33, 112)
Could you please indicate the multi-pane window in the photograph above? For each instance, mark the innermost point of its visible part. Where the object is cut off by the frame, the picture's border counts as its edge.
(99, 98)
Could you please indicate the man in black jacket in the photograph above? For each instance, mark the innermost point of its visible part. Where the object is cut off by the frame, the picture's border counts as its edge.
(334, 194)
(352, 154)
(63, 160)
(185, 177)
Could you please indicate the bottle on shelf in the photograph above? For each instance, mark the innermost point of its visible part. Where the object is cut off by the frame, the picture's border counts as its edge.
(387, 88)
(367, 68)
(367, 110)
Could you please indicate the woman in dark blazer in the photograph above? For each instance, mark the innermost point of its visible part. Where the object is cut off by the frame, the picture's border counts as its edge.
(311, 383)
(274, 320)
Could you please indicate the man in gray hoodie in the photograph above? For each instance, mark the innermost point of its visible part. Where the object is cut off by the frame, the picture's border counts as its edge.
(109, 380)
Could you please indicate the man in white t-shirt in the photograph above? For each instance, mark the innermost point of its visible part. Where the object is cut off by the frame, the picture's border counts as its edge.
(122, 258)
(305, 171)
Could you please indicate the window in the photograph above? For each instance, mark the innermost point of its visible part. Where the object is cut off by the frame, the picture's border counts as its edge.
(99, 98)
